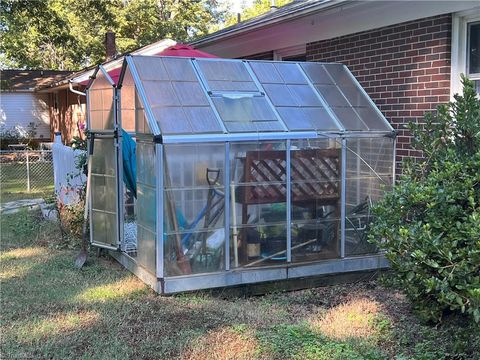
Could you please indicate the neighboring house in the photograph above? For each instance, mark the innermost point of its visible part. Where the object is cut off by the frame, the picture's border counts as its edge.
(22, 107)
(408, 55)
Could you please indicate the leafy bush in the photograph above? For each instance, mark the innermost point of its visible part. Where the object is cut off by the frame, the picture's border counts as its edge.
(429, 224)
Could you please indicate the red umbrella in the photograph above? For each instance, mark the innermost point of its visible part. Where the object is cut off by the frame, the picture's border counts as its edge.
(181, 50)
(185, 51)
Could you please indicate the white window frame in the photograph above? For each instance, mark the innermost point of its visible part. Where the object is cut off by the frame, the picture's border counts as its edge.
(459, 59)
(287, 52)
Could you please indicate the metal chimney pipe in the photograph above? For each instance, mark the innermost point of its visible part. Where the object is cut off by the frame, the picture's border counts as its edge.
(273, 5)
(110, 46)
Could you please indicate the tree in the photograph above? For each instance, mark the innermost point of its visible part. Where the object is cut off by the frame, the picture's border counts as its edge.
(69, 34)
(258, 7)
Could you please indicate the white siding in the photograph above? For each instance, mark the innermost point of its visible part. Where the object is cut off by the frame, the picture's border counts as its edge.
(20, 109)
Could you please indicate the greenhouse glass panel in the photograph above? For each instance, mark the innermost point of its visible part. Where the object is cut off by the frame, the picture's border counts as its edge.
(316, 194)
(297, 103)
(345, 97)
(246, 114)
(146, 206)
(141, 123)
(127, 103)
(258, 204)
(369, 175)
(175, 96)
(104, 192)
(226, 76)
(101, 114)
(194, 202)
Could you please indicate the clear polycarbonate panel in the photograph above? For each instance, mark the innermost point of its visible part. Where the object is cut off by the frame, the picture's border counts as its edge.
(358, 99)
(345, 97)
(258, 211)
(175, 96)
(226, 76)
(298, 105)
(127, 103)
(290, 73)
(369, 173)
(146, 205)
(194, 203)
(246, 114)
(100, 96)
(104, 193)
(316, 199)
(141, 123)
(179, 69)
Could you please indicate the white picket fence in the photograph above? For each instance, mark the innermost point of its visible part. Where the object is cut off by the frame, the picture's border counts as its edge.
(69, 180)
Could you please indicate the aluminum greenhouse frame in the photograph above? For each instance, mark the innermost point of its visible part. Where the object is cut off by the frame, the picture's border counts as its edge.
(246, 171)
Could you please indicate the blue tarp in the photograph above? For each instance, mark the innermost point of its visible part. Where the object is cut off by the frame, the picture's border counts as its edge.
(129, 162)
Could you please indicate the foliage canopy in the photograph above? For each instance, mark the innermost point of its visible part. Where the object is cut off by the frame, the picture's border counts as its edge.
(69, 34)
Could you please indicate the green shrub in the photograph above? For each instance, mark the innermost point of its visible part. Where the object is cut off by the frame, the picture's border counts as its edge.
(429, 224)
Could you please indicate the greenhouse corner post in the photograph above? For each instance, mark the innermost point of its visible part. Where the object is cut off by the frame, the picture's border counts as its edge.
(343, 197)
(160, 203)
(289, 201)
(119, 164)
(226, 181)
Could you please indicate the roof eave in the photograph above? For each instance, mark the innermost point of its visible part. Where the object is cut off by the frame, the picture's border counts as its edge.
(294, 14)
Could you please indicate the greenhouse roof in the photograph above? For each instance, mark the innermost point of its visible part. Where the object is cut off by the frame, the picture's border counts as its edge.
(200, 96)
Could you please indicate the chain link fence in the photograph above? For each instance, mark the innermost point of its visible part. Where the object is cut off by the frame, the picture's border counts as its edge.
(26, 174)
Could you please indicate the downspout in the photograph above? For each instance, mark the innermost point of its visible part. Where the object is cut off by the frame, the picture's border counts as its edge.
(70, 86)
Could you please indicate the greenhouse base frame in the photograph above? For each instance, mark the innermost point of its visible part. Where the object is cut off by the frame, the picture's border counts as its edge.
(348, 265)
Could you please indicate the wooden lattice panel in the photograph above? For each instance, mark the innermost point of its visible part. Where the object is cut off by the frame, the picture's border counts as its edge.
(315, 176)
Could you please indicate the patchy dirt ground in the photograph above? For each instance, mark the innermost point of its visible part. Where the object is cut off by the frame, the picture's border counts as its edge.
(50, 310)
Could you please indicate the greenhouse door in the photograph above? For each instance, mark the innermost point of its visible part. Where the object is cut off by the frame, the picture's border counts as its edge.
(104, 220)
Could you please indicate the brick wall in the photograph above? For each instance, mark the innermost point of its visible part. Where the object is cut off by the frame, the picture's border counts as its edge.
(405, 68)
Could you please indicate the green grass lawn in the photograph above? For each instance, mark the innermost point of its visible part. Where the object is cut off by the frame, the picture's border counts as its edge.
(13, 181)
(51, 311)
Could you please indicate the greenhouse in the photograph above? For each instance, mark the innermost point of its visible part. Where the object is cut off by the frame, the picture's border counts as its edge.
(209, 172)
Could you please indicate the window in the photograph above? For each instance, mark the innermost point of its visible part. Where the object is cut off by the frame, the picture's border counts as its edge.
(292, 53)
(465, 49)
(473, 53)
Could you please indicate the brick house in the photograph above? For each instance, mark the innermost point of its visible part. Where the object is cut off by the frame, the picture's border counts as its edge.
(408, 55)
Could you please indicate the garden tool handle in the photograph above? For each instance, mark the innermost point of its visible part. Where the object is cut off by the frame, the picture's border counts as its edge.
(212, 181)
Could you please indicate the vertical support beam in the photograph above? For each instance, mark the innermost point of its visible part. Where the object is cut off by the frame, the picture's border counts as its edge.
(88, 199)
(28, 170)
(358, 172)
(119, 168)
(289, 201)
(226, 182)
(394, 172)
(343, 198)
(159, 246)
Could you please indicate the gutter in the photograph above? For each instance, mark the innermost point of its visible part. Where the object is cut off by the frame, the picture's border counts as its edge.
(294, 13)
